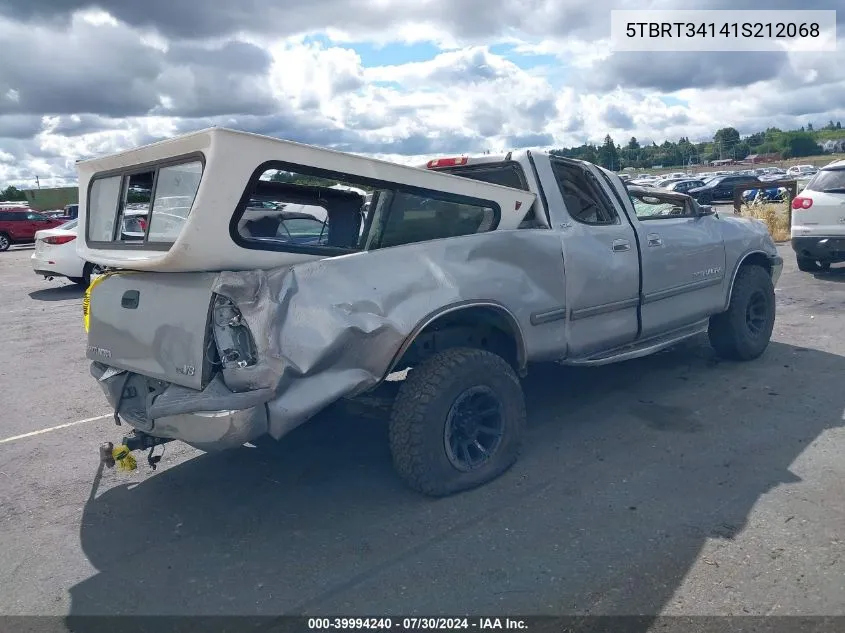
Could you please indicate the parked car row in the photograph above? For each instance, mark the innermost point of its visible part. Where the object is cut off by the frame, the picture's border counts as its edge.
(18, 225)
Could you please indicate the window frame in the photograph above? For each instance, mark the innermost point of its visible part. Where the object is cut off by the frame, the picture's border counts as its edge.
(481, 167)
(825, 170)
(605, 200)
(689, 206)
(346, 178)
(125, 175)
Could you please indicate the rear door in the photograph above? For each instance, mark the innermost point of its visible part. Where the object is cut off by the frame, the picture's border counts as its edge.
(19, 227)
(34, 222)
(600, 260)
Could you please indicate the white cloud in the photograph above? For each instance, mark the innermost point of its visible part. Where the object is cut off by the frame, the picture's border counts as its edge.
(109, 79)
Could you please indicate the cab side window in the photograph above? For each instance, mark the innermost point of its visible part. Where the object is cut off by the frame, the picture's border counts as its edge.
(583, 196)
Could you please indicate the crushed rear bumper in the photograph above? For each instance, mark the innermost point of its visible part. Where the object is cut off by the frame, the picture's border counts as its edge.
(212, 419)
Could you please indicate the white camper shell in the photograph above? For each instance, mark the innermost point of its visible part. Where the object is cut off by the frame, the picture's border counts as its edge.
(204, 190)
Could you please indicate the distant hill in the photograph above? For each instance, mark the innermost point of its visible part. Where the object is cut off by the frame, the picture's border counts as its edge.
(727, 143)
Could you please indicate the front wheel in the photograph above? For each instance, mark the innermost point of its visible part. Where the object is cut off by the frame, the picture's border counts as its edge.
(5, 242)
(743, 332)
(807, 265)
(457, 422)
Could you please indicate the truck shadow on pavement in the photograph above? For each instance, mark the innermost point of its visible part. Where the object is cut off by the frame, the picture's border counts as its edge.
(836, 273)
(628, 470)
(66, 292)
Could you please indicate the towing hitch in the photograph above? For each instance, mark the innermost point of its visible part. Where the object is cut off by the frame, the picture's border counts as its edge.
(121, 455)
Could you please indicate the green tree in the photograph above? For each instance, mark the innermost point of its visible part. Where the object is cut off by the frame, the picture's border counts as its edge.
(608, 156)
(809, 127)
(725, 139)
(633, 143)
(12, 194)
(758, 138)
(797, 144)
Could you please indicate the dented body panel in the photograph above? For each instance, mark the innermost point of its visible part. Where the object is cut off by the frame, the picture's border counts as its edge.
(321, 337)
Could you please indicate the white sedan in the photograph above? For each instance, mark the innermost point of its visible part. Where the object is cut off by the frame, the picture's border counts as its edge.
(55, 255)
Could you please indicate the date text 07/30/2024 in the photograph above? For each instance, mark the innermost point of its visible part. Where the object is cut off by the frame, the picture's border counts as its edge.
(416, 624)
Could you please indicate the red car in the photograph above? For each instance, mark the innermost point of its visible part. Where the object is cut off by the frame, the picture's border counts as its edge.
(19, 224)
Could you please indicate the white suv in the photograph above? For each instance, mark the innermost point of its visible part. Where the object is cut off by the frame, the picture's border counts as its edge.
(818, 220)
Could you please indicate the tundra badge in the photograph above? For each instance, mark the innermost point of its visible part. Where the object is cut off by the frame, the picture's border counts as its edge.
(707, 273)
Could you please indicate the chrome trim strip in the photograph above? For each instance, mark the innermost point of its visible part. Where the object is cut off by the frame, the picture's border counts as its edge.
(584, 313)
(679, 290)
(548, 316)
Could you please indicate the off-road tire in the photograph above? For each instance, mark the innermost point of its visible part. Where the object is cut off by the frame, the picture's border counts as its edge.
(5, 242)
(420, 412)
(730, 333)
(87, 271)
(807, 265)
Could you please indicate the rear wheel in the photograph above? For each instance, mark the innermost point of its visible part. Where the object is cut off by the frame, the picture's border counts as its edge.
(5, 242)
(457, 422)
(807, 265)
(87, 272)
(743, 332)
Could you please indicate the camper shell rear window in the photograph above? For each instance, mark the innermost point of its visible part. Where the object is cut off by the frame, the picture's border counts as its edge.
(144, 206)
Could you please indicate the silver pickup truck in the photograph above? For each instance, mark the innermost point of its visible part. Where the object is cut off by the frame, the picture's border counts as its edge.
(296, 277)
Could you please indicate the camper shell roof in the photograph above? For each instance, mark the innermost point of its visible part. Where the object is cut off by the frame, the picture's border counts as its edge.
(232, 161)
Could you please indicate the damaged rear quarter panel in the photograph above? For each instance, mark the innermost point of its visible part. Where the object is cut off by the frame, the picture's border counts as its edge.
(330, 328)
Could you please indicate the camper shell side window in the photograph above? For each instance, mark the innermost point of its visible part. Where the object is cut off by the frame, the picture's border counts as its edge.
(297, 208)
(508, 173)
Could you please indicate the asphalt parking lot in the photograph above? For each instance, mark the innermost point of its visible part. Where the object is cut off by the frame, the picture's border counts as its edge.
(675, 484)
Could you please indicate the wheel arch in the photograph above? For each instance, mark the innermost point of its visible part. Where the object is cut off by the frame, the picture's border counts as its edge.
(481, 316)
(752, 258)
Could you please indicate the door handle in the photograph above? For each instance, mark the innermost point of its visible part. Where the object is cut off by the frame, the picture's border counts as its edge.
(654, 240)
(620, 246)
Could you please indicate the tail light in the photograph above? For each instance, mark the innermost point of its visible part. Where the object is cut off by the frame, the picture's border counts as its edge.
(447, 162)
(142, 222)
(802, 203)
(59, 239)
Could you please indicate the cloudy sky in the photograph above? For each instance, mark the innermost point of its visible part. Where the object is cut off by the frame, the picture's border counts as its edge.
(400, 79)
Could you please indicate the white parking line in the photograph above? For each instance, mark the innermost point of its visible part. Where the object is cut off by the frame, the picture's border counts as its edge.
(54, 428)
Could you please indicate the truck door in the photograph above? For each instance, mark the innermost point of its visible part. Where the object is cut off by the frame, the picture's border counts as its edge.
(600, 258)
(683, 259)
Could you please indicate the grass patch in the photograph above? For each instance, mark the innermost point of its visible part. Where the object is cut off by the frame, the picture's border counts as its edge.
(774, 214)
